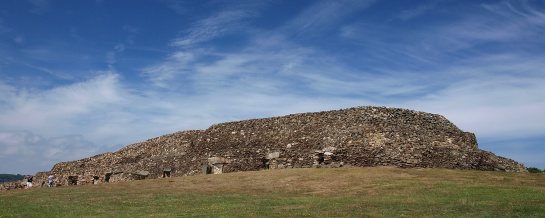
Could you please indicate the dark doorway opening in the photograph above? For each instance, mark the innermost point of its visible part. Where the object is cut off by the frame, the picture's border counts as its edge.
(166, 172)
(107, 177)
(72, 180)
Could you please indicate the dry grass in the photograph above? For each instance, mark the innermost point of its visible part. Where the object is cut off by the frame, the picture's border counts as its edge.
(340, 192)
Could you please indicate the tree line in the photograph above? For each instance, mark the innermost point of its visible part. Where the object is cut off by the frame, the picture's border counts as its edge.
(10, 177)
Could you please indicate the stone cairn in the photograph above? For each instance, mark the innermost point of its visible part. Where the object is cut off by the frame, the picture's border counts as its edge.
(354, 137)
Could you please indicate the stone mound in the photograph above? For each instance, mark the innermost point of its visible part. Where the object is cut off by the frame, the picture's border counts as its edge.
(354, 137)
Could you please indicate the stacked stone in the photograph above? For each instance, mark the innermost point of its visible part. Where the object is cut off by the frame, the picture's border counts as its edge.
(360, 136)
(19, 184)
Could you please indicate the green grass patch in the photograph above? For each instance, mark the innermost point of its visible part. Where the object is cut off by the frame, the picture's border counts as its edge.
(350, 192)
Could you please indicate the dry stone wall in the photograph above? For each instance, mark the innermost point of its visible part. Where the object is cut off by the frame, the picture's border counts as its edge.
(356, 137)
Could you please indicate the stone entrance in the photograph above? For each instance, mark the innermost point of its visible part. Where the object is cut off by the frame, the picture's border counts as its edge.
(216, 164)
(107, 177)
(72, 180)
(166, 172)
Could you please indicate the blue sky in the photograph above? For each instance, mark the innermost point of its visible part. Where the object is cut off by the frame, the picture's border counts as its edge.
(79, 78)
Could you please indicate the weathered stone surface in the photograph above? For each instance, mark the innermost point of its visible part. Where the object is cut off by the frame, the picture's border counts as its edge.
(218, 160)
(358, 137)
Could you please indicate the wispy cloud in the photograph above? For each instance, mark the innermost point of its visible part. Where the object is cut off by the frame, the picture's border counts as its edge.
(497, 95)
(268, 55)
(162, 74)
(322, 15)
(416, 11)
(260, 67)
(486, 90)
(219, 24)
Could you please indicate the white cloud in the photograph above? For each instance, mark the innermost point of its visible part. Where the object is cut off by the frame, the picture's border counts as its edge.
(494, 96)
(52, 123)
(497, 24)
(162, 74)
(36, 110)
(25, 150)
(217, 25)
(323, 14)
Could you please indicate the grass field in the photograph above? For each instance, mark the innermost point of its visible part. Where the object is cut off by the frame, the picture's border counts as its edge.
(340, 192)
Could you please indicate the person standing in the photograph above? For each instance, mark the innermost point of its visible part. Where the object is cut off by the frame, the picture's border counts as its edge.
(50, 180)
(25, 181)
(29, 181)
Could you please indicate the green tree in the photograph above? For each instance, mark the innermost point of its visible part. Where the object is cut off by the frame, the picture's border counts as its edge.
(534, 170)
(10, 177)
